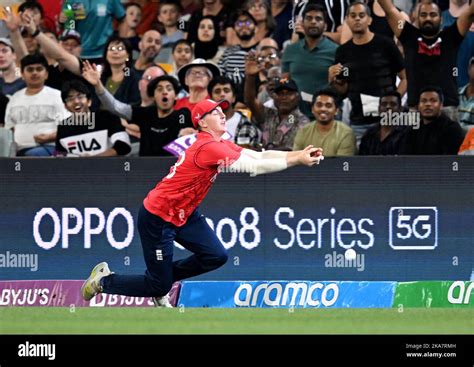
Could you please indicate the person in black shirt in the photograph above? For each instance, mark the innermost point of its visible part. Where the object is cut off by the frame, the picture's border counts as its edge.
(367, 64)
(385, 137)
(437, 133)
(87, 133)
(159, 124)
(430, 52)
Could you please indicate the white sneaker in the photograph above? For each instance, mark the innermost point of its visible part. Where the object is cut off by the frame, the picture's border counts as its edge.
(162, 301)
(92, 285)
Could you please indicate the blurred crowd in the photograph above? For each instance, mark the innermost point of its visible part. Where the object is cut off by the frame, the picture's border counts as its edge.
(82, 78)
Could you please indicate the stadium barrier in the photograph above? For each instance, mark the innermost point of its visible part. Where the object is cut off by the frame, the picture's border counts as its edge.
(407, 218)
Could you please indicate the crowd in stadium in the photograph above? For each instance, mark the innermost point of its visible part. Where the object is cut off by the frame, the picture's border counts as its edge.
(110, 77)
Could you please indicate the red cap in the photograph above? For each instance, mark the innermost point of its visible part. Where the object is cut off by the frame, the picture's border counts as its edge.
(205, 107)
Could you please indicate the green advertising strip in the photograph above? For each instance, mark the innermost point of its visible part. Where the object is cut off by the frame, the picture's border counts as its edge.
(434, 294)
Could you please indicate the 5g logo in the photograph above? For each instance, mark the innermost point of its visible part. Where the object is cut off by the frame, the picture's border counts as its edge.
(413, 228)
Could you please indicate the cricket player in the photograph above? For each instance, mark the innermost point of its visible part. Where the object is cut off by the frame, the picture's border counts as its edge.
(169, 212)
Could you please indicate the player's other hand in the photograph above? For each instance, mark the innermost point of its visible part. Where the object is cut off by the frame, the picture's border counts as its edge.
(310, 156)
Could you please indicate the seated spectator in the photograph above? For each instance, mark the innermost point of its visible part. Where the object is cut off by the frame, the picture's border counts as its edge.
(467, 146)
(86, 133)
(173, 29)
(217, 10)
(34, 111)
(466, 100)
(280, 123)
(118, 75)
(150, 46)
(207, 43)
(159, 124)
(385, 137)
(127, 28)
(182, 55)
(438, 134)
(242, 131)
(334, 137)
(195, 78)
(10, 80)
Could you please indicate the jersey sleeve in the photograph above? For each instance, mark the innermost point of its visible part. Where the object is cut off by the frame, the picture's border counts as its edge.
(217, 154)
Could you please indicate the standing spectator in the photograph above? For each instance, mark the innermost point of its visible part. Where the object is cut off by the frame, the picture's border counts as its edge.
(367, 65)
(279, 124)
(215, 9)
(93, 20)
(438, 134)
(127, 28)
(10, 79)
(243, 132)
(195, 78)
(86, 133)
(232, 62)
(334, 137)
(466, 49)
(466, 100)
(430, 52)
(34, 111)
(173, 28)
(282, 11)
(308, 60)
(385, 137)
(150, 46)
(149, 14)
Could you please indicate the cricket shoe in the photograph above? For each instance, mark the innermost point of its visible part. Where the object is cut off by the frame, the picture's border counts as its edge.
(163, 301)
(92, 285)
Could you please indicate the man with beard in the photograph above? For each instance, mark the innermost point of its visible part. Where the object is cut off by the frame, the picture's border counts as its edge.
(368, 64)
(150, 46)
(430, 53)
(334, 137)
(437, 134)
(86, 133)
(232, 62)
(308, 60)
(159, 124)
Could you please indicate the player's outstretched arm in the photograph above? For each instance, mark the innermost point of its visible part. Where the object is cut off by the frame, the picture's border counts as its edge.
(257, 164)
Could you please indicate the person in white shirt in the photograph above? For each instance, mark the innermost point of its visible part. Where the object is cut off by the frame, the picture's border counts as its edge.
(34, 112)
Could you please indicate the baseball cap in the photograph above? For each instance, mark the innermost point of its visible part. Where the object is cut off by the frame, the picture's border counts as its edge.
(204, 107)
(285, 83)
(7, 42)
(71, 33)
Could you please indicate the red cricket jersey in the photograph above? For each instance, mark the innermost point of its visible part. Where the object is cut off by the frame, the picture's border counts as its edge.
(178, 194)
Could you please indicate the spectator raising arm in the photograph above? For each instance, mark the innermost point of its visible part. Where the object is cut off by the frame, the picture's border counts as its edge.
(52, 49)
(111, 104)
(252, 68)
(466, 19)
(13, 22)
(396, 19)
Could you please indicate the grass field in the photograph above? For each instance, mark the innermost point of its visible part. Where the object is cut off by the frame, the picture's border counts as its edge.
(33, 320)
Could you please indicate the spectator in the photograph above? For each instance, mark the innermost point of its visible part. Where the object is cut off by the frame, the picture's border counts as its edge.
(195, 78)
(467, 146)
(280, 123)
(34, 111)
(182, 55)
(438, 134)
(232, 62)
(207, 43)
(93, 20)
(466, 100)
(282, 11)
(127, 28)
(3, 106)
(149, 14)
(430, 52)
(385, 137)
(118, 75)
(169, 14)
(266, 92)
(86, 133)
(268, 56)
(159, 124)
(215, 9)
(242, 131)
(308, 60)
(334, 137)
(34, 10)
(10, 80)
(466, 49)
(365, 67)
(335, 10)
(150, 46)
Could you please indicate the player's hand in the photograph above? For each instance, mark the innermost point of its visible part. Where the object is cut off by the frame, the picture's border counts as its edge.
(310, 156)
